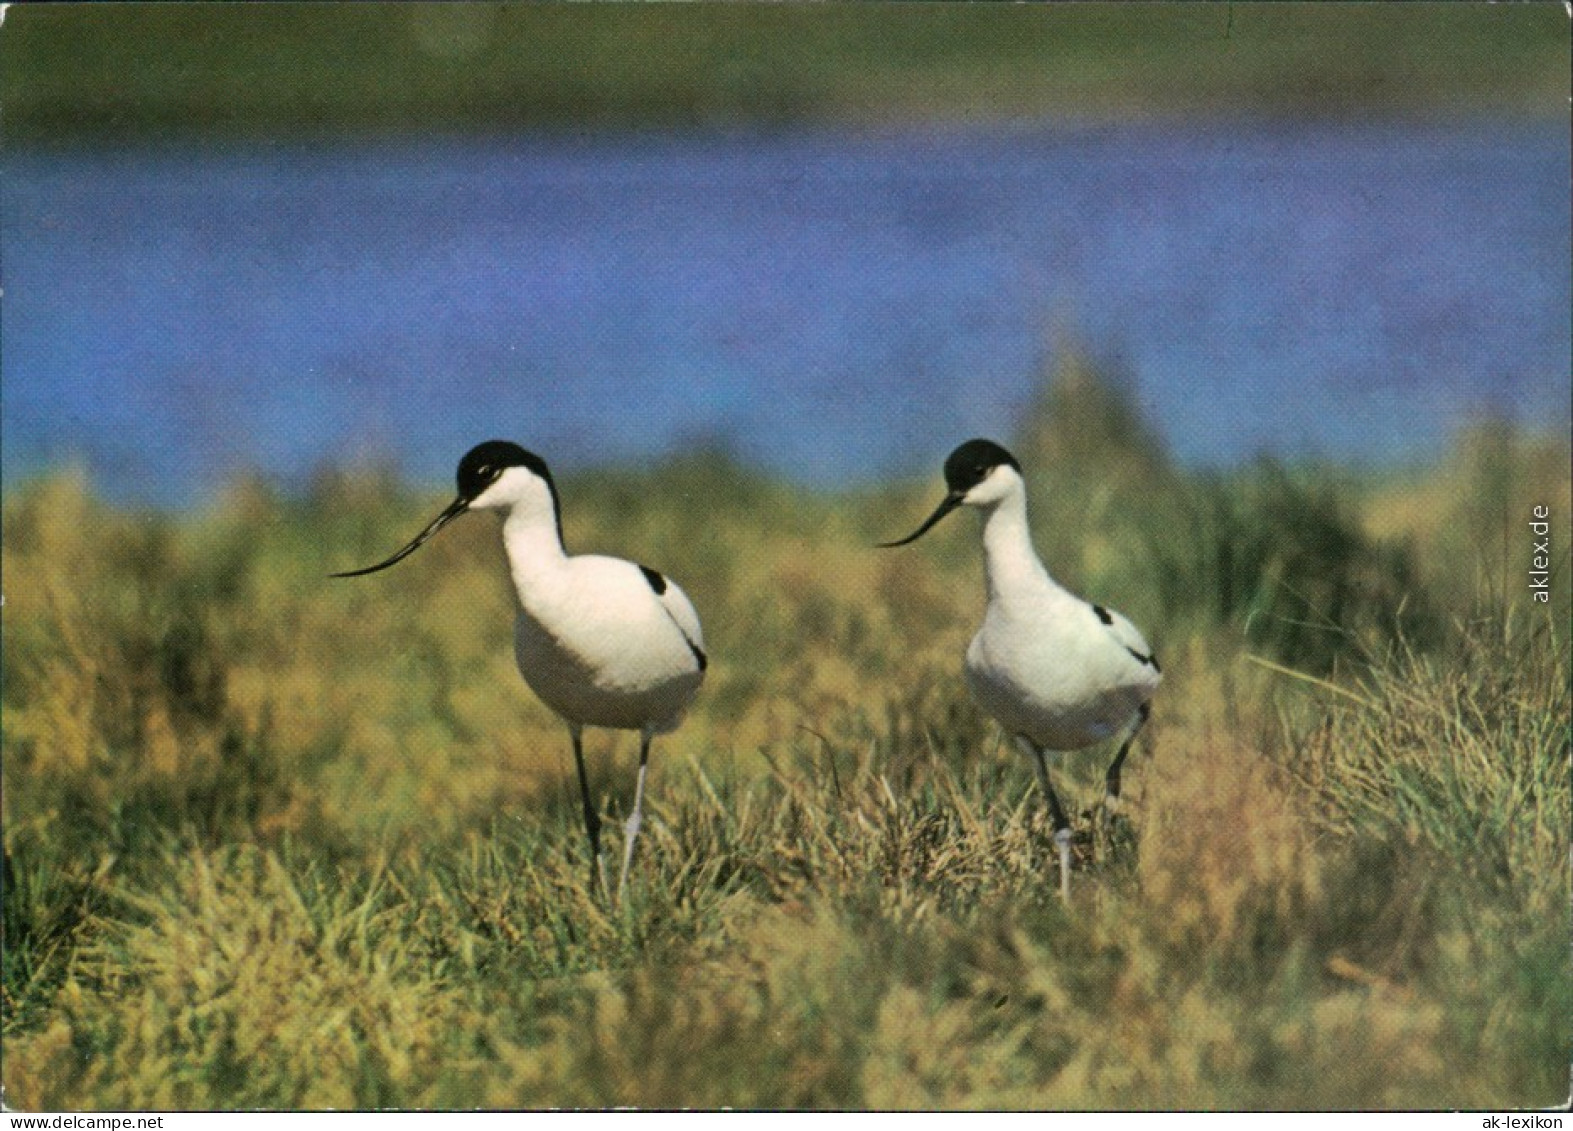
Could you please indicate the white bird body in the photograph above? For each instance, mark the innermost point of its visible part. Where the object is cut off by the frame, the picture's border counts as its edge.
(600, 646)
(602, 641)
(1056, 672)
(1047, 665)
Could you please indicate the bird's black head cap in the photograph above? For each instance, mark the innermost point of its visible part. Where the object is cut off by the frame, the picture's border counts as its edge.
(483, 463)
(478, 470)
(967, 466)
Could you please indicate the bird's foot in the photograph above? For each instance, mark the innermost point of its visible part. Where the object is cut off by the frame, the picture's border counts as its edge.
(1062, 841)
(630, 835)
(1112, 836)
(1103, 835)
(1107, 814)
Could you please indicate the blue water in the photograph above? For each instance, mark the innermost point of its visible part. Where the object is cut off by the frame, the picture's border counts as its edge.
(829, 305)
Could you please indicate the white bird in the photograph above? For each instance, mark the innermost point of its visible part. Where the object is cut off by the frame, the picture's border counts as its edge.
(1057, 672)
(602, 641)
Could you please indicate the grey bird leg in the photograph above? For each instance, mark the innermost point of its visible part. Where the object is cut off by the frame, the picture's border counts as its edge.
(1112, 780)
(1062, 827)
(631, 828)
(592, 819)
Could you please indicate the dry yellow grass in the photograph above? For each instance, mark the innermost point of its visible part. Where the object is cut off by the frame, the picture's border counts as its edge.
(275, 841)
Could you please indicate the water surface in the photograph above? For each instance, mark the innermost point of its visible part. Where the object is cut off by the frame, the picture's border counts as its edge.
(830, 305)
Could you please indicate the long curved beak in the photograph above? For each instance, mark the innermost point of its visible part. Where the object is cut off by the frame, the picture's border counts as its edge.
(949, 503)
(453, 511)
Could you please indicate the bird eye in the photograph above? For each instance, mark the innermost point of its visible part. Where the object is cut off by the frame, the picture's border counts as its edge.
(484, 471)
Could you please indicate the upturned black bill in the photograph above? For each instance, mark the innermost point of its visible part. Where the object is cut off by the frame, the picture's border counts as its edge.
(948, 504)
(453, 511)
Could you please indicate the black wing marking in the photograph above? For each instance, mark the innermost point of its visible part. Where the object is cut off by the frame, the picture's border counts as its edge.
(1150, 660)
(657, 582)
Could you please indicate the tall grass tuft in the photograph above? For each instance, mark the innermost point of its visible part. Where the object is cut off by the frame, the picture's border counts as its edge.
(1274, 554)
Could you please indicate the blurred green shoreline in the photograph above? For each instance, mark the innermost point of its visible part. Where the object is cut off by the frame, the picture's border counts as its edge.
(1410, 473)
(219, 69)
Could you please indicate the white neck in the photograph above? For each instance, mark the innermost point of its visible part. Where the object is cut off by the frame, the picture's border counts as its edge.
(534, 547)
(1010, 563)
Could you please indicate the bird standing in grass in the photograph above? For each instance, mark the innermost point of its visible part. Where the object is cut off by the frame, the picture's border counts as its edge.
(603, 642)
(1057, 672)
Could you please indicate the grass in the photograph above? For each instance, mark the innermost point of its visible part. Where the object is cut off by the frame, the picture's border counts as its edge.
(225, 70)
(275, 841)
